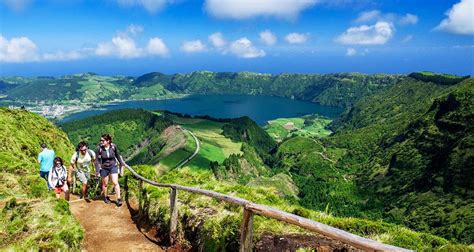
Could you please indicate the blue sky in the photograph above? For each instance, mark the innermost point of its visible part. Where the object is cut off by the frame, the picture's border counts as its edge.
(133, 37)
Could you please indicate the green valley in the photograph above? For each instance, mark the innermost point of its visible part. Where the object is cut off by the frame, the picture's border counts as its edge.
(396, 166)
(56, 97)
(229, 162)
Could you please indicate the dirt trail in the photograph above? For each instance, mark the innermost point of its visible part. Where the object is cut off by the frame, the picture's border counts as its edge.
(109, 228)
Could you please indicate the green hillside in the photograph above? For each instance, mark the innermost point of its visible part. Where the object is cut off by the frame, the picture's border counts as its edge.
(327, 89)
(31, 217)
(84, 87)
(399, 157)
(309, 177)
(245, 130)
(411, 148)
(135, 132)
(309, 126)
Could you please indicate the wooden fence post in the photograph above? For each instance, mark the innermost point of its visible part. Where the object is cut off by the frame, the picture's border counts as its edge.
(173, 215)
(140, 195)
(246, 231)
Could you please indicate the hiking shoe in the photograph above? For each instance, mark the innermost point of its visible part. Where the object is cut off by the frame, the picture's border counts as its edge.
(119, 202)
(81, 196)
(106, 200)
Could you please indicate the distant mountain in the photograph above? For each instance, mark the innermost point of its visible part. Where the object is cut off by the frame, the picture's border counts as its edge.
(328, 89)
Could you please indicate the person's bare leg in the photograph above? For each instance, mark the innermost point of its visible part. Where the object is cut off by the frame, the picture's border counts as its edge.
(105, 181)
(66, 192)
(116, 184)
(84, 190)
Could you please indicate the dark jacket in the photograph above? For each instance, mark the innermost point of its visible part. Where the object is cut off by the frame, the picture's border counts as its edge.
(107, 159)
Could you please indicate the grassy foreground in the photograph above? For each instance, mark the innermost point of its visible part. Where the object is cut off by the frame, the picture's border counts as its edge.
(31, 218)
(216, 225)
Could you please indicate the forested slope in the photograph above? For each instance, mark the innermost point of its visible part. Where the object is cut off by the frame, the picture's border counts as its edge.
(135, 131)
(214, 226)
(327, 89)
(412, 146)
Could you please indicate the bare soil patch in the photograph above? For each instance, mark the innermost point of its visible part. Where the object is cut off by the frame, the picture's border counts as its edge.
(109, 228)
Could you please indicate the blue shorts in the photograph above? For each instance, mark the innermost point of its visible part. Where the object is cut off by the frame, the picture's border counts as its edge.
(106, 172)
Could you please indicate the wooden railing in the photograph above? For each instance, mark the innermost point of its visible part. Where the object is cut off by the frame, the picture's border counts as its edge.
(251, 208)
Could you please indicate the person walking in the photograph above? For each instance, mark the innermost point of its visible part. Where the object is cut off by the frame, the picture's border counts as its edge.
(45, 159)
(57, 178)
(80, 164)
(106, 165)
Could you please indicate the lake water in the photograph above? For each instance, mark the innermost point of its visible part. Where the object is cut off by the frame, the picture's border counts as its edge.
(260, 108)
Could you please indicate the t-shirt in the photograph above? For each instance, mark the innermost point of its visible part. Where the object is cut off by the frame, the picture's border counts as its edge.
(83, 161)
(46, 159)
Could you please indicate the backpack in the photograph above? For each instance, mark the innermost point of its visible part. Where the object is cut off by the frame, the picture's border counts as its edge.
(91, 153)
(114, 149)
(99, 156)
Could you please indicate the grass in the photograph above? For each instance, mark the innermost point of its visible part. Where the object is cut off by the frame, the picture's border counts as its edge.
(31, 217)
(44, 224)
(216, 224)
(309, 126)
(151, 92)
(428, 73)
(214, 146)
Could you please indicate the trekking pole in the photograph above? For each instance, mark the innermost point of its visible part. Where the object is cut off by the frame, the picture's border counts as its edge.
(94, 186)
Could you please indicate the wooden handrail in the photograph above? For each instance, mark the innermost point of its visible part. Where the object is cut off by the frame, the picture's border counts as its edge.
(251, 208)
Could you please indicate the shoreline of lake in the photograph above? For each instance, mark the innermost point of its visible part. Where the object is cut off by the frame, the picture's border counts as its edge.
(259, 108)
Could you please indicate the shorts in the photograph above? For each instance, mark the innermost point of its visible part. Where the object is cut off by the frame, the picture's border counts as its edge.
(106, 172)
(62, 188)
(44, 174)
(83, 176)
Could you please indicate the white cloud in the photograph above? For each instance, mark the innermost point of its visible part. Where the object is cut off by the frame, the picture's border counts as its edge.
(460, 19)
(409, 19)
(217, 40)
(105, 49)
(243, 9)
(151, 6)
(368, 16)
(19, 49)
(134, 29)
(193, 46)
(351, 52)
(122, 46)
(377, 34)
(156, 46)
(268, 38)
(377, 16)
(296, 38)
(244, 48)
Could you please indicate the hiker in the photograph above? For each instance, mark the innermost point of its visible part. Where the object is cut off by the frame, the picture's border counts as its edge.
(57, 178)
(80, 161)
(106, 165)
(45, 159)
